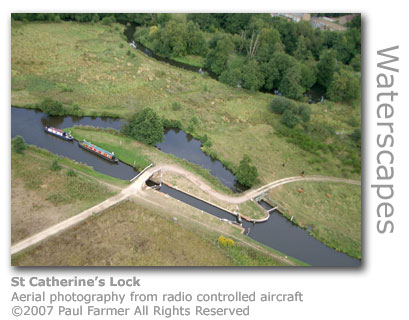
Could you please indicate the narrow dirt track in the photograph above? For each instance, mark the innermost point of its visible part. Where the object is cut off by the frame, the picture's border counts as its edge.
(251, 193)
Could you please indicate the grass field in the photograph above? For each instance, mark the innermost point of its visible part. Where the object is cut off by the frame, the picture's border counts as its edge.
(88, 65)
(41, 197)
(131, 235)
(331, 211)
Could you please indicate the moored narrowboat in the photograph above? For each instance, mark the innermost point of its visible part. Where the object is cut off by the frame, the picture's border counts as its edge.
(110, 156)
(58, 133)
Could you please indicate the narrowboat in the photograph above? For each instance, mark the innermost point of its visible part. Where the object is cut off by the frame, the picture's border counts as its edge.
(59, 133)
(110, 156)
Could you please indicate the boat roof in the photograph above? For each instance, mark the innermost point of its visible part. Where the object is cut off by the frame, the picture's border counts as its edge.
(59, 130)
(96, 147)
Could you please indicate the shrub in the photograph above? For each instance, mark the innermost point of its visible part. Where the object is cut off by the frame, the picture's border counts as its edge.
(145, 126)
(305, 113)
(225, 242)
(55, 166)
(280, 104)
(71, 173)
(289, 119)
(108, 20)
(246, 173)
(18, 144)
(171, 123)
(52, 107)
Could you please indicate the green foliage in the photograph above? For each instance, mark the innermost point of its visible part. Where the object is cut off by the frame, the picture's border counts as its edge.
(305, 113)
(176, 106)
(280, 104)
(71, 173)
(18, 144)
(246, 173)
(326, 67)
(231, 76)
(52, 107)
(290, 84)
(108, 20)
(55, 166)
(145, 126)
(252, 76)
(356, 136)
(218, 56)
(289, 119)
(356, 63)
(344, 86)
(269, 43)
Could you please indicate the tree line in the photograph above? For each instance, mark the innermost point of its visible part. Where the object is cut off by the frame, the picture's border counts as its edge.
(261, 52)
(250, 50)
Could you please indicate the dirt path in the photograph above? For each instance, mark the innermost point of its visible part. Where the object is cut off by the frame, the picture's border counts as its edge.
(136, 189)
(251, 193)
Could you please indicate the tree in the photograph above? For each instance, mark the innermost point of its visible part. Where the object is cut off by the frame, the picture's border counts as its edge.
(195, 40)
(231, 76)
(290, 84)
(269, 43)
(170, 40)
(356, 63)
(308, 74)
(217, 58)
(18, 144)
(275, 68)
(344, 87)
(145, 126)
(326, 67)
(246, 173)
(252, 76)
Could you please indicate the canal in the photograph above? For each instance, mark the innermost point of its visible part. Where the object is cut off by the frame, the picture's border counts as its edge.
(277, 232)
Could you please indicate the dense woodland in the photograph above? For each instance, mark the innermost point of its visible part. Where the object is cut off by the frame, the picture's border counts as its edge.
(253, 51)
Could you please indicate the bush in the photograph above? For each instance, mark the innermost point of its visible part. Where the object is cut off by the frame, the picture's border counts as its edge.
(280, 104)
(71, 173)
(18, 144)
(108, 20)
(289, 119)
(225, 242)
(305, 113)
(145, 126)
(171, 123)
(52, 107)
(55, 166)
(246, 173)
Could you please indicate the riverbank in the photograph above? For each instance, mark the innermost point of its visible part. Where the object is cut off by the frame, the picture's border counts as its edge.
(129, 150)
(330, 212)
(42, 196)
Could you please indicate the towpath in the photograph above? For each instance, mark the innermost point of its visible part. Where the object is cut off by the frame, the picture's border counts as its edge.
(250, 194)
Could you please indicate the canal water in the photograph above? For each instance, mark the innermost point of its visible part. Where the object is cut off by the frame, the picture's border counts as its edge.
(277, 232)
(30, 123)
(184, 146)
